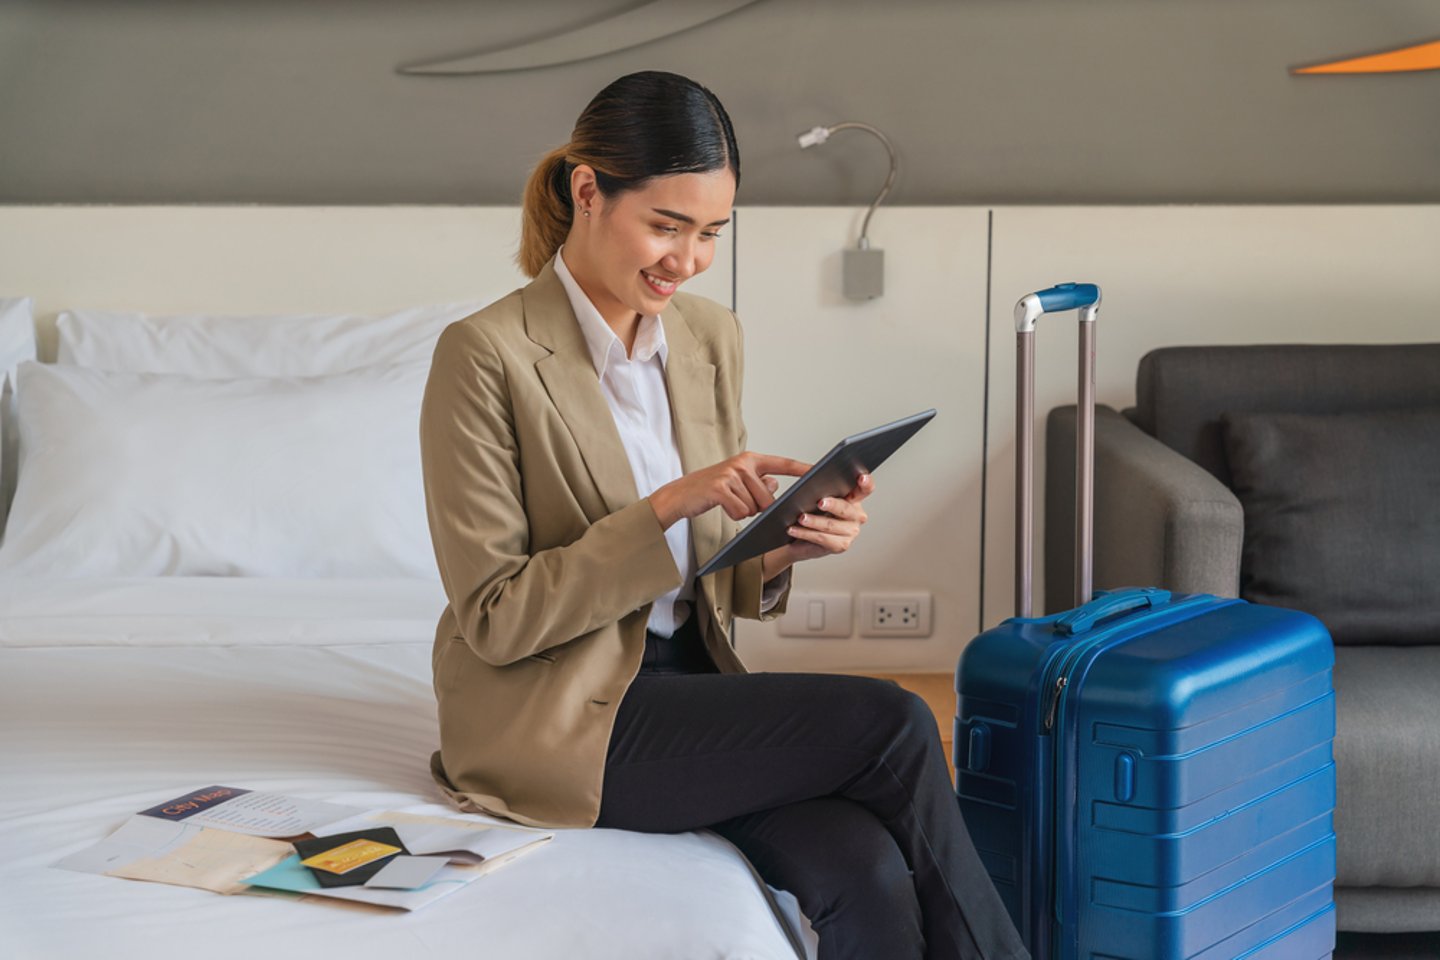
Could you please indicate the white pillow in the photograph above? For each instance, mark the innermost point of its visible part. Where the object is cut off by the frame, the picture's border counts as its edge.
(301, 345)
(138, 475)
(17, 344)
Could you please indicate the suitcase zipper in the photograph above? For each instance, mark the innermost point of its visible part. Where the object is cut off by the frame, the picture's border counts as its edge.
(1065, 664)
(1071, 657)
(1055, 692)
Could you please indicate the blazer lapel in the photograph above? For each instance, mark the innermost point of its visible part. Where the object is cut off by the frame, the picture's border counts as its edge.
(691, 383)
(569, 377)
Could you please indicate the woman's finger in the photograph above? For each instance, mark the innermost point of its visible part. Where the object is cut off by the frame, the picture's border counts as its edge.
(737, 495)
(757, 489)
(813, 521)
(864, 486)
(830, 542)
(765, 463)
(842, 507)
(738, 508)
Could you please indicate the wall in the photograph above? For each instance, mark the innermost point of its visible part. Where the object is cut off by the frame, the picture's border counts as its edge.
(1191, 275)
(988, 101)
(820, 367)
(817, 366)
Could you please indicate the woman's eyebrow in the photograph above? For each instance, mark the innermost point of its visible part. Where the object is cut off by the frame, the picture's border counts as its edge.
(684, 219)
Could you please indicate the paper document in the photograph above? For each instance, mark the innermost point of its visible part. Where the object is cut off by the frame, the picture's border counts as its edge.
(249, 811)
(474, 848)
(465, 841)
(407, 873)
(218, 839)
(288, 874)
(188, 855)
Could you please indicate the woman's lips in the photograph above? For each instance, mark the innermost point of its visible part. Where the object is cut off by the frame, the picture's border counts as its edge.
(663, 286)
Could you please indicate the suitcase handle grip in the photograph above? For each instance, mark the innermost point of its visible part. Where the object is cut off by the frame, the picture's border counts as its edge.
(1084, 618)
(1068, 296)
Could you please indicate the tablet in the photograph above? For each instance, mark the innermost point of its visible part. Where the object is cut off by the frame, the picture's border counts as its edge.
(833, 476)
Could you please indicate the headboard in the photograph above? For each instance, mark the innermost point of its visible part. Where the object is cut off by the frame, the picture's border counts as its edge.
(254, 259)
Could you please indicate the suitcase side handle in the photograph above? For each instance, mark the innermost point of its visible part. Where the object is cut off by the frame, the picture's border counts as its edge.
(1084, 618)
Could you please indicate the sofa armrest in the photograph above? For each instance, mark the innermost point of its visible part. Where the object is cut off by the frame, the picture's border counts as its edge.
(1160, 519)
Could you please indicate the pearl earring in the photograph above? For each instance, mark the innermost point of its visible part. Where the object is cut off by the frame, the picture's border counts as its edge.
(586, 212)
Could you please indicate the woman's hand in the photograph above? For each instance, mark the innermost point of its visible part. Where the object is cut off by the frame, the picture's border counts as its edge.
(832, 529)
(741, 485)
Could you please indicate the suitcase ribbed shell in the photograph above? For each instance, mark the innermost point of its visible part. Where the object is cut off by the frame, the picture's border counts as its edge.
(1180, 803)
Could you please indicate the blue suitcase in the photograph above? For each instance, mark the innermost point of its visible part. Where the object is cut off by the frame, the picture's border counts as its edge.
(1148, 776)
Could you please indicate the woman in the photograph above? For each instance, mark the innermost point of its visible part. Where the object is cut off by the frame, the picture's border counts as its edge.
(577, 437)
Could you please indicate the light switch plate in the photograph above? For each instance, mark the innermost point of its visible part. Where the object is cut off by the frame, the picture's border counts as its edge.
(817, 615)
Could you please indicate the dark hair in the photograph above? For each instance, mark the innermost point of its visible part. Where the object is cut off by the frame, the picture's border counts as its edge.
(643, 125)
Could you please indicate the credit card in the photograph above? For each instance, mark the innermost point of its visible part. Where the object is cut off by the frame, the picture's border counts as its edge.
(347, 857)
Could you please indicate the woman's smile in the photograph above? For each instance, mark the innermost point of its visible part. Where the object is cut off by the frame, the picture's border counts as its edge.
(662, 286)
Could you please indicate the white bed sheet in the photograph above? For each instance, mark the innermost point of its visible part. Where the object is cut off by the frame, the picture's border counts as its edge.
(118, 694)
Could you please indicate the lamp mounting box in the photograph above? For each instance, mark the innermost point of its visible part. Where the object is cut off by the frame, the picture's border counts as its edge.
(863, 274)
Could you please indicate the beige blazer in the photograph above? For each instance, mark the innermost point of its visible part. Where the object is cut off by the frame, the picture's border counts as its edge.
(549, 560)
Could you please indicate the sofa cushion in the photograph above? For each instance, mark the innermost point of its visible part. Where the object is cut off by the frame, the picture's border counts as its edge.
(1342, 518)
(1387, 766)
(1182, 391)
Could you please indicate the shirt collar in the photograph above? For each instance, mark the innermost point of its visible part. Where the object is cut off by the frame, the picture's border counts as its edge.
(603, 344)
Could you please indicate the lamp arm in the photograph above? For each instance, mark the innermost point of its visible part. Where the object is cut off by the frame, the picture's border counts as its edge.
(889, 179)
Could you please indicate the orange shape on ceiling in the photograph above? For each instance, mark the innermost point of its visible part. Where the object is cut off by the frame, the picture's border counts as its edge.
(1421, 56)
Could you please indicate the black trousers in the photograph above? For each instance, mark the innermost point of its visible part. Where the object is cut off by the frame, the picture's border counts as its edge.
(835, 787)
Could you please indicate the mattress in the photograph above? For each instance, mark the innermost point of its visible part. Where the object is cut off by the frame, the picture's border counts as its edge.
(118, 694)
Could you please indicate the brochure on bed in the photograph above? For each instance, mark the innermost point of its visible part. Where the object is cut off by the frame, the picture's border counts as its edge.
(218, 838)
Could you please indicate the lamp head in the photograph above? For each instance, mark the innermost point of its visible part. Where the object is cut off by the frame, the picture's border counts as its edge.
(814, 136)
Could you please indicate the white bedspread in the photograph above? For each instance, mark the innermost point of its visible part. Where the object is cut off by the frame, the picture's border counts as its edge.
(118, 694)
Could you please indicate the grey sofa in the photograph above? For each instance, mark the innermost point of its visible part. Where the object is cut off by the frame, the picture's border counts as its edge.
(1167, 514)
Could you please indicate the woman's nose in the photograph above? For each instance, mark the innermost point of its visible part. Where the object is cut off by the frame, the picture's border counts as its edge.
(681, 262)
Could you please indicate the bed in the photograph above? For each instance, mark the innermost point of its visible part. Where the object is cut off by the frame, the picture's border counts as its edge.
(153, 642)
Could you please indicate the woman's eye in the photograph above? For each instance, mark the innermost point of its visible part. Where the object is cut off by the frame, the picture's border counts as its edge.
(663, 228)
(711, 236)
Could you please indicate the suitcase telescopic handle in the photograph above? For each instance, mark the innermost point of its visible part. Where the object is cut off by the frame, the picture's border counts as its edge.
(1084, 297)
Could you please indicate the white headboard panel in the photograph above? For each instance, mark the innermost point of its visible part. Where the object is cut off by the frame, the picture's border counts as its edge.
(253, 259)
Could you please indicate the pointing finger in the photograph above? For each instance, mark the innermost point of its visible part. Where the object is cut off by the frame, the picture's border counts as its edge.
(765, 463)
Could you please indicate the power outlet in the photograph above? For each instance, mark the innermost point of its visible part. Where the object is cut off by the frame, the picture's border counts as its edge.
(894, 614)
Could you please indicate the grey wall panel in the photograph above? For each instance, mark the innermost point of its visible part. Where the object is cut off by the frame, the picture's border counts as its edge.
(989, 101)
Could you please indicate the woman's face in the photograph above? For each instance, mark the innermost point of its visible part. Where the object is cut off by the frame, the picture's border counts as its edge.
(635, 249)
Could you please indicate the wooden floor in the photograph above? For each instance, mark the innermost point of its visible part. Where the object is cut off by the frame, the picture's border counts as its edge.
(938, 690)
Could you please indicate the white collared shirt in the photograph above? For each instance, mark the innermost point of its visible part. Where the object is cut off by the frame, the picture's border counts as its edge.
(635, 389)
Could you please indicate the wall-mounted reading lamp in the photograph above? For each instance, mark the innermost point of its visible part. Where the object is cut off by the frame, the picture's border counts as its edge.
(864, 269)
